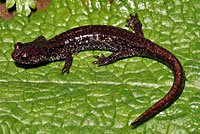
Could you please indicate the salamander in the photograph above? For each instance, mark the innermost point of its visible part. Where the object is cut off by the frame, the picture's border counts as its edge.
(122, 43)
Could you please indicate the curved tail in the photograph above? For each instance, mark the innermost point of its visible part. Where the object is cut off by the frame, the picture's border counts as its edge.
(172, 62)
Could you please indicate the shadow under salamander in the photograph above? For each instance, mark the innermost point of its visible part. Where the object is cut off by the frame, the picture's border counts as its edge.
(29, 66)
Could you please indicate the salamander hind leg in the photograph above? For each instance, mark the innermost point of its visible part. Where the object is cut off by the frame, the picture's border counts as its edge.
(135, 24)
(103, 60)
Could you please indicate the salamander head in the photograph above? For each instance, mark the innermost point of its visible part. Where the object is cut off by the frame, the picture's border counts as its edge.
(29, 53)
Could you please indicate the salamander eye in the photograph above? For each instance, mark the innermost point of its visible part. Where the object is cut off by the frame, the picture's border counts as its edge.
(24, 56)
(18, 45)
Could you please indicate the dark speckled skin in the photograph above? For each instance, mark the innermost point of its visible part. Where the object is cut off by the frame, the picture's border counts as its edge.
(121, 42)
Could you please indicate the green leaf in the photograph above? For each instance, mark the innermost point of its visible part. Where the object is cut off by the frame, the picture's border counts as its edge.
(10, 3)
(22, 6)
(106, 99)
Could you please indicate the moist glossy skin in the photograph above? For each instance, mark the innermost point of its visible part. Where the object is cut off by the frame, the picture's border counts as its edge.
(121, 42)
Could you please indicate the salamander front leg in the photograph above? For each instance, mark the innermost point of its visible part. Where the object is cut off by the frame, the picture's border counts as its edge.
(135, 24)
(68, 63)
